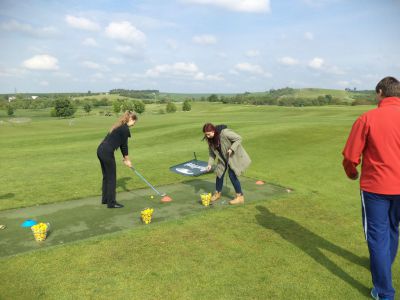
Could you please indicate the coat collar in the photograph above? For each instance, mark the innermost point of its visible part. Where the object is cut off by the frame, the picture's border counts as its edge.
(389, 101)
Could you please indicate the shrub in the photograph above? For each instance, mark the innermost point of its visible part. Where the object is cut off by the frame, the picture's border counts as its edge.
(171, 107)
(87, 107)
(139, 107)
(64, 108)
(186, 106)
(117, 107)
(213, 98)
(10, 110)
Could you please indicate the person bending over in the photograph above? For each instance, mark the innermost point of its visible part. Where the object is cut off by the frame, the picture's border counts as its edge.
(116, 138)
(225, 148)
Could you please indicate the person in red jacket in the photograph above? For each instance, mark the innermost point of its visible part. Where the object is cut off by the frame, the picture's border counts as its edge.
(375, 137)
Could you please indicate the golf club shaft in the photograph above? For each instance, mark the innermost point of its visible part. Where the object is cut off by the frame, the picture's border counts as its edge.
(148, 183)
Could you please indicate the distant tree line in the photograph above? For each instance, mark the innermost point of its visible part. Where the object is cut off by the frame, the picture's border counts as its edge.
(138, 94)
(286, 97)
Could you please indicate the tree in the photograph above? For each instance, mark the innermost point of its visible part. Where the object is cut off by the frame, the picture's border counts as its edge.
(171, 107)
(64, 108)
(87, 107)
(10, 110)
(117, 107)
(186, 106)
(127, 105)
(212, 98)
(139, 107)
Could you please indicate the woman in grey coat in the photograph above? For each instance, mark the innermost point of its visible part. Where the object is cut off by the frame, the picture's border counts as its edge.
(225, 149)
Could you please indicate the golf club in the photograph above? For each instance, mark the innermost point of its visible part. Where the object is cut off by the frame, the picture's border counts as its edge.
(148, 183)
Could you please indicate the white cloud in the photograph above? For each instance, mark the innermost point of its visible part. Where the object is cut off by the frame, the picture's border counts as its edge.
(81, 23)
(206, 39)
(94, 66)
(44, 83)
(41, 62)
(124, 49)
(347, 83)
(202, 76)
(98, 76)
(172, 44)
(12, 72)
(115, 60)
(309, 36)
(129, 51)
(334, 70)
(179, 68)
(319, 3)
(319, 64)
(41, 32)
(251, 68)
(62, 75)
(251, 6)
(116, 79)
(252, 53)
(125, 32)
(90, 42)
(288, 61)
(316, 63)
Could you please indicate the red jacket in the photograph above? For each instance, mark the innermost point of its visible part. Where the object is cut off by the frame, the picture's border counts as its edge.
(376, 136)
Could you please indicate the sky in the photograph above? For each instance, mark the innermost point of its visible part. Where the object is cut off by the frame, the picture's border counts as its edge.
(196, 46)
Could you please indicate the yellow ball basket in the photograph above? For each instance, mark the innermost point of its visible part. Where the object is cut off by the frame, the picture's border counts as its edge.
(205, 199)
(40, 231)
(146, 215)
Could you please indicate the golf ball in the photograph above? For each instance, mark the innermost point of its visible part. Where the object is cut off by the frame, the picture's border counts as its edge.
(151, 197)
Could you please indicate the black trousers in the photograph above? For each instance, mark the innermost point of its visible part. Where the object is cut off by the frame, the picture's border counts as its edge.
(107, 161)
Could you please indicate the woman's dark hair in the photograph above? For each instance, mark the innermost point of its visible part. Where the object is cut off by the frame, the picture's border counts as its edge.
(215, 141)
(389, 86)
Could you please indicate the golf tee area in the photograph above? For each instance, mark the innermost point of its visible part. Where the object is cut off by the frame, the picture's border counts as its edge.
(307, 243)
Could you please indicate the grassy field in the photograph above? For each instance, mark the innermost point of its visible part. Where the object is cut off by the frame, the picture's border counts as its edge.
(308, 245)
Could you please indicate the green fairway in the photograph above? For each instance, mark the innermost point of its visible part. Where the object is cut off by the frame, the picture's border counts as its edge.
(308, 245)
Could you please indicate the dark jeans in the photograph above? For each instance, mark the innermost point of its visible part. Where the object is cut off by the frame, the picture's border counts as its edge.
(219, 182)
(108, 168)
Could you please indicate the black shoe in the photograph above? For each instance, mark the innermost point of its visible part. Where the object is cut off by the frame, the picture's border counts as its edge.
(116, 205)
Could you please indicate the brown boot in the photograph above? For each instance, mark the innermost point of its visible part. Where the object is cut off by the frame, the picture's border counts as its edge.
(238, 200)
(216, 196)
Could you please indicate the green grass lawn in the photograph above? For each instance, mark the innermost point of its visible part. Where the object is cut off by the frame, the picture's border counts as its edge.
(308, 245)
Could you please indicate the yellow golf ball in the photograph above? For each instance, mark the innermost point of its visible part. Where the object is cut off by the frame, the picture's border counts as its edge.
(151, 197)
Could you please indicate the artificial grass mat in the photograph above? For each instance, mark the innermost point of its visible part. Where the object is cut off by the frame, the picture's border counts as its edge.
(84, 218)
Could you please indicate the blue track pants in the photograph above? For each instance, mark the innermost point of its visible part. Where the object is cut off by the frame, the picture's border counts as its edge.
(381, 216)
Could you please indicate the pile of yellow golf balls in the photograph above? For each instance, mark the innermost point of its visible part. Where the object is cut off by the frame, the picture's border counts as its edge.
(40, 231)
(205, 199)
(146, 215)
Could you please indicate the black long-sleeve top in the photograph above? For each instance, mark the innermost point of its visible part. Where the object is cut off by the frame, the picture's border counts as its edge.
(119, 138)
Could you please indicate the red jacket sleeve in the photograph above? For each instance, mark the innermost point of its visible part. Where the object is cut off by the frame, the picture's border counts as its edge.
(354, 147)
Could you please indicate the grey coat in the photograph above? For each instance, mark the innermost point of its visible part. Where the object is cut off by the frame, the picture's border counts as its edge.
(239, 159)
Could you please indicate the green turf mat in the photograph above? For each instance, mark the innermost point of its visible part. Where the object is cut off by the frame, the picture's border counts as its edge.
(79, 219)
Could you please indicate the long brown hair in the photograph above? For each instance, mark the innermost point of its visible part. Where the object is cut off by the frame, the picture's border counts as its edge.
(215, 141)
(124, 119)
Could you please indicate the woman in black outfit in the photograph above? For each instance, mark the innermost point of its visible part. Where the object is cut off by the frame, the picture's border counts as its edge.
(116, 138)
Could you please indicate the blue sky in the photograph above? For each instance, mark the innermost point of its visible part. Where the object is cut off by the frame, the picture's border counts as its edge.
(196, 46)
